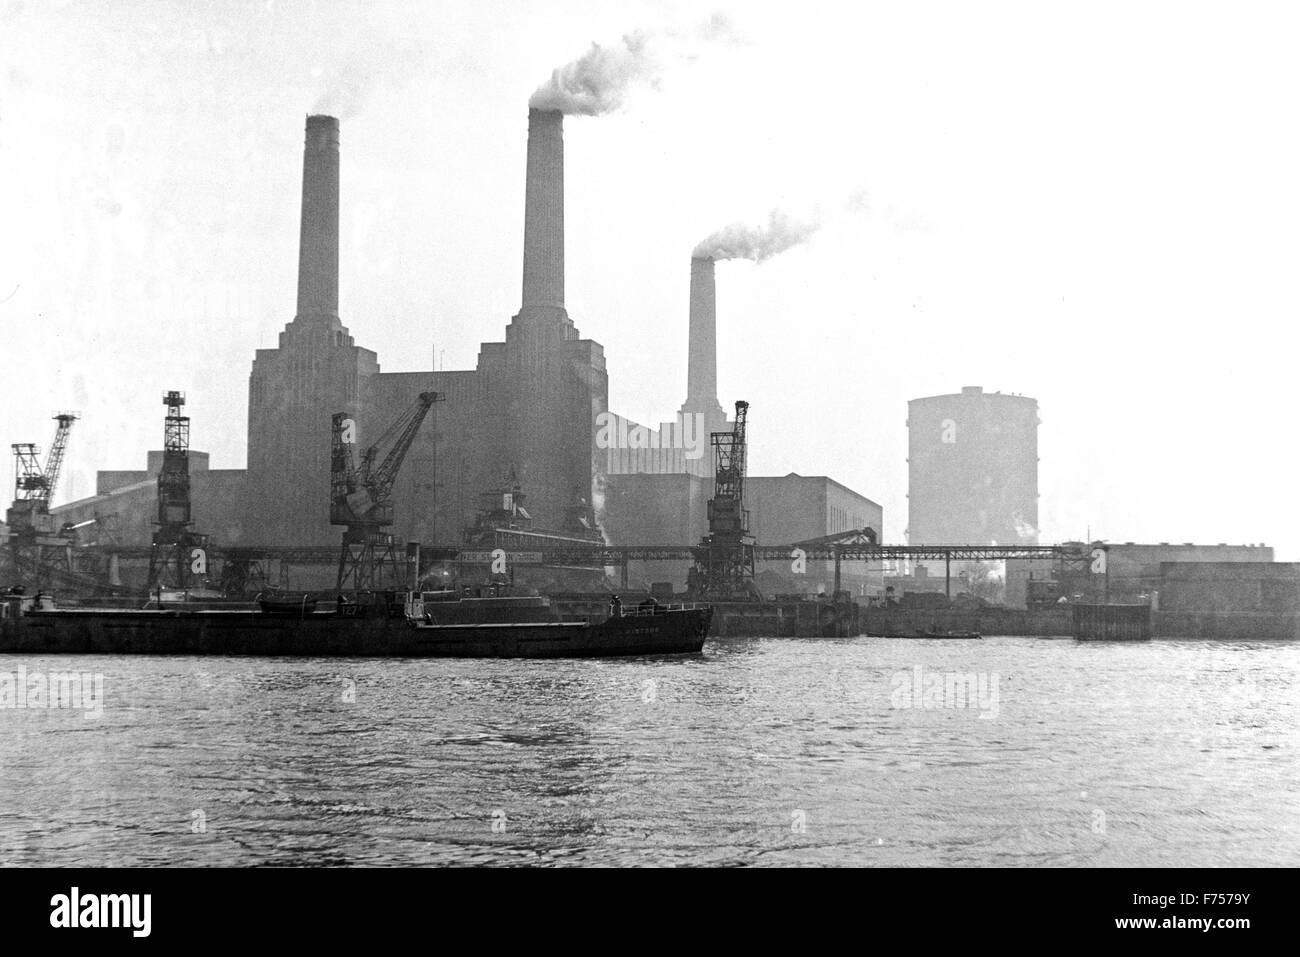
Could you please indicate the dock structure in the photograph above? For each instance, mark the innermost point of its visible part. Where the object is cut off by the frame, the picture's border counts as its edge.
(1112, 622)
(532, 548)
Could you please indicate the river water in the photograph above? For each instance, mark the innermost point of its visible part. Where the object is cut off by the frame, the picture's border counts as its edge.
(1004, 752)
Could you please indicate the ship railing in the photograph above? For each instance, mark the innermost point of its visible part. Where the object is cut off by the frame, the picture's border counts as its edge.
(131, 603)
(659, 608)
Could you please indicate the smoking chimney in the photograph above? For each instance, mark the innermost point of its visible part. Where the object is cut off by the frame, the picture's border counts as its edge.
(544, 212)
(318, 245)
(702, 364)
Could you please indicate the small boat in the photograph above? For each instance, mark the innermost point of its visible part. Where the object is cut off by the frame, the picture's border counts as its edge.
(292, 606)
(175, 596)
(931, 635)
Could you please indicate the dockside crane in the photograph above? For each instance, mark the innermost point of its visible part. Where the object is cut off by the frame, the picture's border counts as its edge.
(34, 486)
(178, 556)
(361, 496)
(724, 559)
(31, 527)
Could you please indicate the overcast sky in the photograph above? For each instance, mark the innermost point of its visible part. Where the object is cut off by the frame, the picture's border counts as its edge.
(1094, 205)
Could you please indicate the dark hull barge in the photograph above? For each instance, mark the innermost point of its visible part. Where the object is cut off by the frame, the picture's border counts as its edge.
(465, 628)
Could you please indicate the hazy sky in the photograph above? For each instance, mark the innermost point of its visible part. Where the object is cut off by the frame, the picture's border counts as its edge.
(1095, 205)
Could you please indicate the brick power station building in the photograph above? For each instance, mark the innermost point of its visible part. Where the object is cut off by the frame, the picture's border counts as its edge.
(528, 409)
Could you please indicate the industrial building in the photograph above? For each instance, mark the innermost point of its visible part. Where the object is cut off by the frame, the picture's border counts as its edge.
(798, 508)
(972, 473)
(670, 508)
(524, 410)
(660, 481)
(1133, 572)
(972, 477)
(1137, 570)
(680, 446)
(1234, 599)
(529, 415)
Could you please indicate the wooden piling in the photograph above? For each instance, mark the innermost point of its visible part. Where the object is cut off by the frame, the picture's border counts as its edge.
(1112, 622)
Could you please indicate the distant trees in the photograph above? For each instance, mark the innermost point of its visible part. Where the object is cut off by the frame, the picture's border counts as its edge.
(981, 581)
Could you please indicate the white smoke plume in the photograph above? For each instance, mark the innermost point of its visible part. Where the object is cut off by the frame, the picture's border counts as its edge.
(1025, 531)
(597, 82)
(758, 243)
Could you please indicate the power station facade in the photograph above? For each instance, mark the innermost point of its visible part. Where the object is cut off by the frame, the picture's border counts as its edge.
(525, 410)
(533, 414)
(523, 453)
(972, 469)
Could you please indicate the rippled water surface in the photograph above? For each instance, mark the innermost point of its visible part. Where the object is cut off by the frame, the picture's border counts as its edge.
(763, 751)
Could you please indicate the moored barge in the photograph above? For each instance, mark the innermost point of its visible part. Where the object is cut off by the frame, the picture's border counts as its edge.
(417, 625)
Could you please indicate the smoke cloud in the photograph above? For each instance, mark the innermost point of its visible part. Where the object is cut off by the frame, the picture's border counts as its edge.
(1024, 531)
(757, 243)
(597, 82)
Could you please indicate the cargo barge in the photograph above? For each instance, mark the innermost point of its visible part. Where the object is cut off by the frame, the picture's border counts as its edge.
(415, 625)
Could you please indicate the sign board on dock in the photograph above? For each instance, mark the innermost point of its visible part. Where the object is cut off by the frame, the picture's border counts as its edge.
(516, 558)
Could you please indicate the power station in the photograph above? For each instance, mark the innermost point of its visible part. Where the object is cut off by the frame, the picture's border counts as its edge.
(524, 419)
(525, 409)
(523, 452)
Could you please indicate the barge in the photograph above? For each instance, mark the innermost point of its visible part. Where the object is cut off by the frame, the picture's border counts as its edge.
(385, 624)
(929, 635)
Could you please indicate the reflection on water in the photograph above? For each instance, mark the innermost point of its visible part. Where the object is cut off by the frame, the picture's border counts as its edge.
(860, 751)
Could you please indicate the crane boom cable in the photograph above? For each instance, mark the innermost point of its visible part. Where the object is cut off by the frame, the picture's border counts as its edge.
(382, 480)
(54, 463)
(361, 494)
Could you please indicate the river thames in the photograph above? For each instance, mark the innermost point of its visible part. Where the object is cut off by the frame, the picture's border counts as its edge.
(1001, 752)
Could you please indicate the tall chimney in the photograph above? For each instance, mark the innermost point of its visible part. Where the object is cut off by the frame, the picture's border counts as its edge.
(702, 362)
(318, 245)
(544, 211)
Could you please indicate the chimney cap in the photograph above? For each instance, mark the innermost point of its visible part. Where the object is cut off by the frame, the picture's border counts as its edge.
(322, 119)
